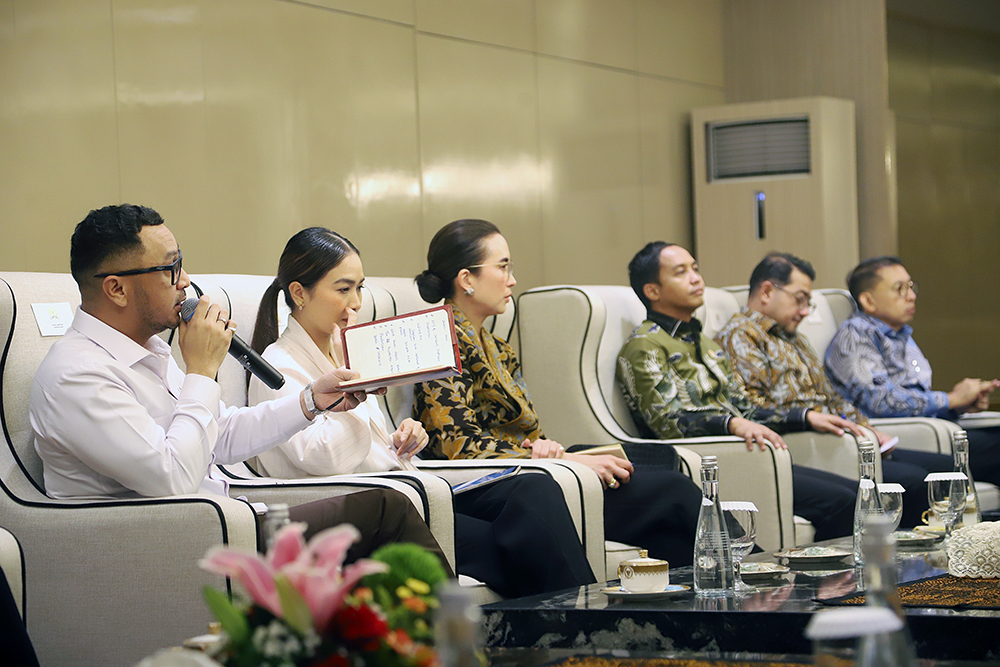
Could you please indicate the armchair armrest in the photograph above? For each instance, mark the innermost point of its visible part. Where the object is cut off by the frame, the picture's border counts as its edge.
(430, 494)
(985, 419)
(833, 453)
(12, 564)
(140, 554)
(763, 477)
(921, 433)
(582, 491)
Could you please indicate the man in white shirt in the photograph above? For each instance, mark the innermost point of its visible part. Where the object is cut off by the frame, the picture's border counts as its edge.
(114, 416)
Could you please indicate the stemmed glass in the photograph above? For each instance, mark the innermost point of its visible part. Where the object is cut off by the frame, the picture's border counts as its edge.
(892, 502)
(742, 524)
(946, 494)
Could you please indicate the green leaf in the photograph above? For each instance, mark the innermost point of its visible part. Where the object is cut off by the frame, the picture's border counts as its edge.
(293, 607)
(233, 622)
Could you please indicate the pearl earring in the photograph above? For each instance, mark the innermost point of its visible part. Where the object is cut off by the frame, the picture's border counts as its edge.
(469, 291)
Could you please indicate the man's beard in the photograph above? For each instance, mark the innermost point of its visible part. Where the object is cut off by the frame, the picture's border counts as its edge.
(149, 319)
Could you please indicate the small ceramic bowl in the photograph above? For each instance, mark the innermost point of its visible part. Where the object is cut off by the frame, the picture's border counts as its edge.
(644, 574)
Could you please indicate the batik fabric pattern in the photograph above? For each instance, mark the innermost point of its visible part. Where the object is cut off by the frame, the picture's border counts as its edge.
(486, 411)
(882, 371)
(779, 370)
(678, 383)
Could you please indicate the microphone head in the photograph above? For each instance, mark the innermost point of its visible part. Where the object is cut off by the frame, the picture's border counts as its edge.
(187, 308)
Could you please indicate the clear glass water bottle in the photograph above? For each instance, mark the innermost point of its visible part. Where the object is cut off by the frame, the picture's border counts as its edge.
(887, 648)
(458, 628)
(275, 519)
(837, 634)
(960, 450)
(713, 555)
(868, 503)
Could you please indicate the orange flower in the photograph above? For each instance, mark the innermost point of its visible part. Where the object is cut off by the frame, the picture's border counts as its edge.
(415, 604)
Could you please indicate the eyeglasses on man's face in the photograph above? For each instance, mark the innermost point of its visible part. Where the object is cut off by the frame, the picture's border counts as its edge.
(803, 301)
(507, 266)
(902, 289)
(174, 269)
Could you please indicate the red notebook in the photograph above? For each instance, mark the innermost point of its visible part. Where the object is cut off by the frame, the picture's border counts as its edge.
(406, 349)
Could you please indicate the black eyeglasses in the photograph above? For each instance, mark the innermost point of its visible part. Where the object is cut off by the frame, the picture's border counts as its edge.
(174, 269)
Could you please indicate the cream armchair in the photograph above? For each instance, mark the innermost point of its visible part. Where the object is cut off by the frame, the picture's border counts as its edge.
(581, 489)
(107, 581)
(569, 339)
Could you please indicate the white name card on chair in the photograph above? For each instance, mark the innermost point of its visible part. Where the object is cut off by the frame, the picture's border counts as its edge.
(53, 318)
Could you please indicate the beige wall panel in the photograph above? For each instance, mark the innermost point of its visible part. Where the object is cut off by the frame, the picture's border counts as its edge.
(918, 190)
(390, 10)
(589, 124)
(965, 74)
(681, 39)
(479, 147)
(951, 225)
(58, 123)
(777, 49)
(665, 117)
(159, 69)
(502, 22)
(251, 78)
(909, 48)
(325, 136)
(594, 31)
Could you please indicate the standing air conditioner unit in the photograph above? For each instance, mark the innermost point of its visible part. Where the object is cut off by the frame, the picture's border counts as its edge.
(778, 175)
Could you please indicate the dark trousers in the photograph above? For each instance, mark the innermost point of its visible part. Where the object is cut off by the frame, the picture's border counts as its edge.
(17, 650)
(825, 499)
(984, 454)
(517, 536)
(656, 510)
(909, 467)
(382, 516)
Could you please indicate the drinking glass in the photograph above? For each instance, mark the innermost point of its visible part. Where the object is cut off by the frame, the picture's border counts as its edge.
(946, 494)
(892, 502)
(742, 520)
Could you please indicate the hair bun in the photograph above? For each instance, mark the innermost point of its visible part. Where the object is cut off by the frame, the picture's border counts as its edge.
(432, 289)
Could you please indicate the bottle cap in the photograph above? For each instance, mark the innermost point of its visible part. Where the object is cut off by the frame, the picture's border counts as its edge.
(891, 487)
(855, 622)
(738, 505)
(944, 476)
(709, 460)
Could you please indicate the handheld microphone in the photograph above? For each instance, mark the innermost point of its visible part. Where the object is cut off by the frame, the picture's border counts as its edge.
(243, 353)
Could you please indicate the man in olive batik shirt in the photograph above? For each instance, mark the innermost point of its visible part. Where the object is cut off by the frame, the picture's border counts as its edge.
(678, 383)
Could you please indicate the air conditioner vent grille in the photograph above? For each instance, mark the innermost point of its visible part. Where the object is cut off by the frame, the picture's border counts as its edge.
(757, 148)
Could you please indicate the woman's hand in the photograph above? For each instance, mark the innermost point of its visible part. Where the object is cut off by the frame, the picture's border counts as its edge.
(611, 469)
(544, 449)
(409, 438)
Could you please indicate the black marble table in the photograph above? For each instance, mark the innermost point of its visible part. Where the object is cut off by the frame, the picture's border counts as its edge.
(553, 657)
(770, 621)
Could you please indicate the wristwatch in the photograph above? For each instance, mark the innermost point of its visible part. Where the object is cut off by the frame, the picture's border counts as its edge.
(310, 400)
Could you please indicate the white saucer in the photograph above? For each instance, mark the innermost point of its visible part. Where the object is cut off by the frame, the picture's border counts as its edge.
(809, 555)
(621, 593)
(754, 570)
(916, 540)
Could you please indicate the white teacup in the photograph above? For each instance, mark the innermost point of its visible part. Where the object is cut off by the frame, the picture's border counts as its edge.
(644, 574)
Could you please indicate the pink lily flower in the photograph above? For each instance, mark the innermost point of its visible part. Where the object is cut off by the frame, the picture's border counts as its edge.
(315, 570)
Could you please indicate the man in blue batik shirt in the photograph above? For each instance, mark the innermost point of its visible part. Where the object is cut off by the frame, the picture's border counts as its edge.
(875, 364)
